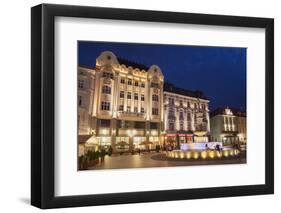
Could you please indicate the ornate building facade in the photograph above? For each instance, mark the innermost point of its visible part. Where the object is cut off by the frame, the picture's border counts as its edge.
(120, 103)
(186, 116)
(229, 126)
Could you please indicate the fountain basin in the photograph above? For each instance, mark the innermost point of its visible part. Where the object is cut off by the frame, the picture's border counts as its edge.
(202, 154)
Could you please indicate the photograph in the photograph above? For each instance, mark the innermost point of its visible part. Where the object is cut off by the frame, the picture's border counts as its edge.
(143, 105)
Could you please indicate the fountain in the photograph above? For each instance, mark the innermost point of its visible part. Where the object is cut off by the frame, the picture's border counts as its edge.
(203, 150)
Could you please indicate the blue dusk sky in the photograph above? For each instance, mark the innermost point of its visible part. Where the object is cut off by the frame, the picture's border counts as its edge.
(219, 72)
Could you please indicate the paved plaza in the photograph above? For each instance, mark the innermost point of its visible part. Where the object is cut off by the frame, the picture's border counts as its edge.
(159, 160)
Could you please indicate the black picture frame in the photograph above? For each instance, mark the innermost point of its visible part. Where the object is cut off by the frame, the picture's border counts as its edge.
(43, 102)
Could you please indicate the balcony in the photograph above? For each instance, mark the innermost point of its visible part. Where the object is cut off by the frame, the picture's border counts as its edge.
(131, 114)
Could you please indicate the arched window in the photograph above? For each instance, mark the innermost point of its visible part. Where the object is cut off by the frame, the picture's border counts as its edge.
(106, 90)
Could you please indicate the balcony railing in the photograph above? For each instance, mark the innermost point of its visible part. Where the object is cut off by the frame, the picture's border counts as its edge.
(126, 113)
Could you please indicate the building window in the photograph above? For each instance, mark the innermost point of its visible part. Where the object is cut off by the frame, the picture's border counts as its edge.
(153, 125)
(171, 126)
(106, 90)
(142, 85)
(203, 106)
(154, 85)
(142, 110)
(188, 104)
(142, 97)
(181, 103)
(136, 97)
(121, 94)
(155, 111)
(80, 100)
(188, 125)
(129, 95)
(139, 125)
(181, 126)
(136, 83)
(107, 75)
(105, 105)
(181, 116)
(80, 84)
(122, 81)
(128, 108)
(129, 82)
(104, 123)
(171, 101)
(135, 109)
(121, 107)
(189, 116)
(155, 98)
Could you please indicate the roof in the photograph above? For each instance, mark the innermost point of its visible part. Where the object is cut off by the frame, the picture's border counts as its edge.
(132, 64)
(168, 87)
(235, 111)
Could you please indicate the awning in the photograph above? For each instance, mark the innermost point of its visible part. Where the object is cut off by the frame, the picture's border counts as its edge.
(83, 138)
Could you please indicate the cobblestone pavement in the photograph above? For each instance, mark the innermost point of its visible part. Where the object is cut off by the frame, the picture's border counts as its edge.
(158, 160)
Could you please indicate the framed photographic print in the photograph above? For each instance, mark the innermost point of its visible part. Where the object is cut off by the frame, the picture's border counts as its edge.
(139, 106)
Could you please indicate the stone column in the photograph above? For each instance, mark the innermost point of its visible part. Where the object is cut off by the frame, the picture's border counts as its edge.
(113, 130)
(147, 130)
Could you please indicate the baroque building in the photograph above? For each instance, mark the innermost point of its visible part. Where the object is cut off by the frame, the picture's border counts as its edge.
(186, 116)
(120, 104)
(228, 125)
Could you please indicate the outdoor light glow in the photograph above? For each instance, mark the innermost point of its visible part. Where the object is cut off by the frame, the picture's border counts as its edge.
(182, 155)
(211, 154)
(225, 153)
(204, 154)
(219, 154)
(195, 155)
